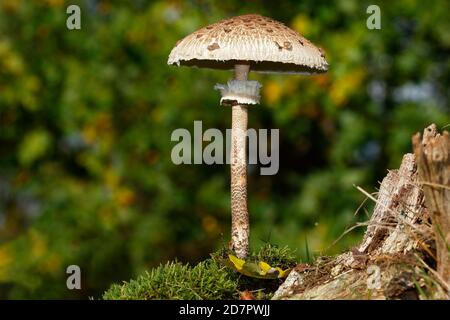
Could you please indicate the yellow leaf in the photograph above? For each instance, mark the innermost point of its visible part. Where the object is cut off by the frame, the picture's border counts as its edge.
(260, 270)
(238, 263)
(264, 266)
(283, 273)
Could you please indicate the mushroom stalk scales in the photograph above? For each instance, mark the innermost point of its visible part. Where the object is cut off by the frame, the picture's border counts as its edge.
(240, 229)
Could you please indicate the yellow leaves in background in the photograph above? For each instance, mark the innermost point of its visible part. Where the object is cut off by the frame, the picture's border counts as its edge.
(34, 146)
(10, 61)
(301, 24)
(115, 208)
(125, 196)
(23, 88)
(38, 244)
(260, 270)
(39, 255)
(210, 225)
(107, 217)
(99, 132)
(89, 134)
(5, 260)
(322, 80)
(275, 90)
(111, 178)
(100, 126)
(343, 87)
(10, 6)
(30, 86)
(52, 264)
(47, 261)
(292, 87)
(272, 92)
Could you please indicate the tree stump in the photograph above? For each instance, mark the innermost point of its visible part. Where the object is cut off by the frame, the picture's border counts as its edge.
(390, 262)
(433, 157)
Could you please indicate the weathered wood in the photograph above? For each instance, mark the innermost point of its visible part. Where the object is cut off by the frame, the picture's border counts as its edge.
(398, 233)
(353, 285)
(433, 157)
(398, 212)
(353, 276)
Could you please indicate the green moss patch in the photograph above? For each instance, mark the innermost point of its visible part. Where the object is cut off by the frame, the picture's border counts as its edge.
(208, 279)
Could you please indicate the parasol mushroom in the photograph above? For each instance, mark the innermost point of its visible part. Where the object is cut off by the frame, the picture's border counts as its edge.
(244, 43)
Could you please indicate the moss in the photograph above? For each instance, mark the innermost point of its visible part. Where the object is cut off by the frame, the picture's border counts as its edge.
(174, 280)
(207, 280)
(275, 256)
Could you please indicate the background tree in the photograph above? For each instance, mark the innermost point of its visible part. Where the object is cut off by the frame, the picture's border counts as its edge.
(86, 118)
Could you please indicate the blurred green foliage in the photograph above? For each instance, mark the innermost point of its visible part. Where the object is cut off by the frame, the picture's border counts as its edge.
(86, 118)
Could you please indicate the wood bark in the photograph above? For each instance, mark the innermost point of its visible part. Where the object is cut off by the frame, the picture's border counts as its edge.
(398, 212)
(433, 157)
(388, 264)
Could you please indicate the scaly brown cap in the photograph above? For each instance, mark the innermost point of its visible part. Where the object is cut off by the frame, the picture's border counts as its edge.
(267, 45)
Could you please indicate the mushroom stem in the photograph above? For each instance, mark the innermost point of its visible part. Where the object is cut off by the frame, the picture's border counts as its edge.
(240, 229)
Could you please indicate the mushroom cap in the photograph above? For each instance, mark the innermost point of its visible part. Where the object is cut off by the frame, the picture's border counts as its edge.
(267, 45)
